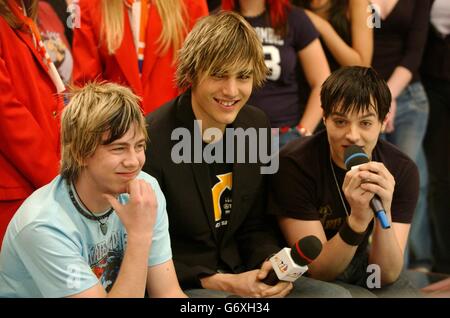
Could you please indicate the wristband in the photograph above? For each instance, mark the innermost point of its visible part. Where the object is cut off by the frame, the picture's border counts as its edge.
(349, 236)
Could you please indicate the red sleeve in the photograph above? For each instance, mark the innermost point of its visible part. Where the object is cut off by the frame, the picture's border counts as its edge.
(87, 64)
(24, 144)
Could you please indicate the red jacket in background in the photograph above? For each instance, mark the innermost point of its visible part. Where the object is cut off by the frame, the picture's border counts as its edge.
(92, 61)
(29, 121)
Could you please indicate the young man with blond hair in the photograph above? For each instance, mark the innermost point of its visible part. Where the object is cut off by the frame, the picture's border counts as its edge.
(99, 229)
(215, 200)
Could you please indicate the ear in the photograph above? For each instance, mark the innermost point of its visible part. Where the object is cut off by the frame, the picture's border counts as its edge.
(324, 121)
(384, 123)
(83, 163)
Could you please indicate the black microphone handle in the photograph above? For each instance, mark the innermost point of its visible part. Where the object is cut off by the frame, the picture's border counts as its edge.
(378, 209)
(271, 278)
(376, 204)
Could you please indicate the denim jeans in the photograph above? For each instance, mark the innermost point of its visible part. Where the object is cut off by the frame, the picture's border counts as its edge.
(410, 125)
(410, 120)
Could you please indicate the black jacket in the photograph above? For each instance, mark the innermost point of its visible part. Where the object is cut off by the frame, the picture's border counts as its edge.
(197, 251)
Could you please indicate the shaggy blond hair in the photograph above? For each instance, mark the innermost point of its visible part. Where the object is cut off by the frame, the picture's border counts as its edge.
(173, 18)
(221, 44)
(94, 110)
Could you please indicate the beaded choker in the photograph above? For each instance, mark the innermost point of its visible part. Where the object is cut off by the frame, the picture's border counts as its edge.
(90, 215)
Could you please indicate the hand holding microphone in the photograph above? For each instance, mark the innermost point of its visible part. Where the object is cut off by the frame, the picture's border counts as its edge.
(291, 263)
(353, 157)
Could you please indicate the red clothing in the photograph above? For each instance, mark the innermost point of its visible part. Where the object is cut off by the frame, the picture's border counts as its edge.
(29, 121)
(91, 61)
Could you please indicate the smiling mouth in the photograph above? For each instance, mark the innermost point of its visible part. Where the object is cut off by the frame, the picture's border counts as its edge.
(128, 174)
(225, 103)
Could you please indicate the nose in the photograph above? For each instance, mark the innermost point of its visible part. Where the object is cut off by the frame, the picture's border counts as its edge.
(352, 134)
(132, 159)
(230, 87)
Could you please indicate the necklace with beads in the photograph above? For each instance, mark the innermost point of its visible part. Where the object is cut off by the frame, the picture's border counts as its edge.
(91, 216)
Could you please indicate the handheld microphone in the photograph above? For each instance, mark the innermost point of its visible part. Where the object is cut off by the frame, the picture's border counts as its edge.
(353, 157)
(291, 263)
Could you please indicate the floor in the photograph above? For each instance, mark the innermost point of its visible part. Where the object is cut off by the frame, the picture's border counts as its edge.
(431, 284)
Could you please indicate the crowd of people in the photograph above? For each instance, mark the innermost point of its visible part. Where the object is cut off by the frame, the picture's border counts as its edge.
(171, 148)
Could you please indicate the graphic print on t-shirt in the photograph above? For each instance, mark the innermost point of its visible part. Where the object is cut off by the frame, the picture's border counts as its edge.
(271, 43)
(283, 97)
(222, 201)
(105, 259)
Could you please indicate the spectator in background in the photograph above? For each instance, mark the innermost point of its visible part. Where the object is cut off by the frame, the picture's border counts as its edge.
(436, 79)
(29, 109)
(344, 31)
(290, 44)
(134, 43)
(64, 9)
(399, 42)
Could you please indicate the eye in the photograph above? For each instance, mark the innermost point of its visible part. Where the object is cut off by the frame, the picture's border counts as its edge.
(118, 149)
(140, 147)
(366, 123)
(245, 76)
(218, 75)
(339, 122)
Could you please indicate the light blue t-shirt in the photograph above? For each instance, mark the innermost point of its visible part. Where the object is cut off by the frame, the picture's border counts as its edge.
(51, 250)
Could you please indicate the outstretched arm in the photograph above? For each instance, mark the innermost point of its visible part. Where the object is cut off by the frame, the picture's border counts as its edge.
(316, 69)
(336, 255)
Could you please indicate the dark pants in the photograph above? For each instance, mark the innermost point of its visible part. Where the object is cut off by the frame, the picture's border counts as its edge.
(437, 149)
(355, 280)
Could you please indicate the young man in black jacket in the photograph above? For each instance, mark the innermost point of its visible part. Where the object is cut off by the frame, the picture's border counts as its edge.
(209, 153)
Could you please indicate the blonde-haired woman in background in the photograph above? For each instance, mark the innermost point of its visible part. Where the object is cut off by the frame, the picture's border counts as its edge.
(134, 43)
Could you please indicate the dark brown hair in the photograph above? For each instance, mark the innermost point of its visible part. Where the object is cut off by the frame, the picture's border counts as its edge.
(355, 89)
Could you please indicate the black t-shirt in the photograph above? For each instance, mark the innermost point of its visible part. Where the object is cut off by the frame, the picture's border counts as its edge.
(304, 187)
(279, 96)
(221, 175)
(401, 39)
